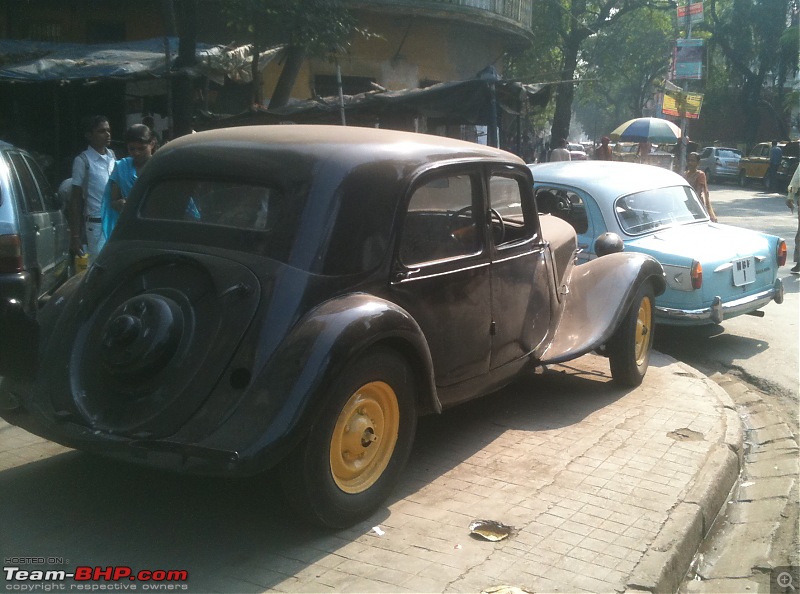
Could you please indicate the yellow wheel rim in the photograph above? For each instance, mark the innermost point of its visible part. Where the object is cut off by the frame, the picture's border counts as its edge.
(644, 328)
(364, 437)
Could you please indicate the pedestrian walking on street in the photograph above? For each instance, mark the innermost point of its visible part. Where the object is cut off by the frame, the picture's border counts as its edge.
(560, 153)
(775, 156)
(90, 171)
(697, 179)
(141, 143)
(793, 202)
(603, 152)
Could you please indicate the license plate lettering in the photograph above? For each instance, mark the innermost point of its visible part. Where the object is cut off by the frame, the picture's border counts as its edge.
(744, 271)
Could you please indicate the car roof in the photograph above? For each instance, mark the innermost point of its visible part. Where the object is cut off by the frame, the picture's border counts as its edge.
(241, 150)
(604, 178)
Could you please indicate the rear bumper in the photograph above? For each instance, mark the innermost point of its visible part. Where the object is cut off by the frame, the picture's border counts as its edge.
(720, 310)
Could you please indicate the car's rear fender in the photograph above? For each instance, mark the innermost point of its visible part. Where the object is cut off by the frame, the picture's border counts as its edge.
(290, 392)
(600, 293)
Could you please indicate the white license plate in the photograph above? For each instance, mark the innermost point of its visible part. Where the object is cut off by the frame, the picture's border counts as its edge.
(744, 271)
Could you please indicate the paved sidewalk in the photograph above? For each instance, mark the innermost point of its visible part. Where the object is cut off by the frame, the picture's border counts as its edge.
(608, 490)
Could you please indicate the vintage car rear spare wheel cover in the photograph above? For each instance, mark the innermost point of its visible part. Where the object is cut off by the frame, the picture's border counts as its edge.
(142, 335)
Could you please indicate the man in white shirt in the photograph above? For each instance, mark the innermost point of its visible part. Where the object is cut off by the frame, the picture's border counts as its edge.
(90, 171)
(560, 153)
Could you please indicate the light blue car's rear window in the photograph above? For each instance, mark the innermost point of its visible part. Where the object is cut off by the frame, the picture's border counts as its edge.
(643, 212)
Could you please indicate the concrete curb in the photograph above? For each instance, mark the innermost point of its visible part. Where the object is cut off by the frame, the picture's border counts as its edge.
(667, 561)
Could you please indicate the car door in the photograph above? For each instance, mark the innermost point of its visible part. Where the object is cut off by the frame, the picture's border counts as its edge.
(521, 277)
(58, 220)
(36, 229)
(441, 271)
(758, 161)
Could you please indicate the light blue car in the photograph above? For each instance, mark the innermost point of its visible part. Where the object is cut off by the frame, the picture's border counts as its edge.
(713, 271)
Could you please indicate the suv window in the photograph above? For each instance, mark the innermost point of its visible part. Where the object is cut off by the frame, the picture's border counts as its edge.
(24, 184)
(45, 189)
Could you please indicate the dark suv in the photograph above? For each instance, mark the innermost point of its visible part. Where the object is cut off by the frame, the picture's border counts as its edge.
(34, 241)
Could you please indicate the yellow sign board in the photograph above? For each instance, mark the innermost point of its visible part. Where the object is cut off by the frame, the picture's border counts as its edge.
(682, 105)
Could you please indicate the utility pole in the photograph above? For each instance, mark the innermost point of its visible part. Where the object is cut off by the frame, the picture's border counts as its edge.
(682, 103)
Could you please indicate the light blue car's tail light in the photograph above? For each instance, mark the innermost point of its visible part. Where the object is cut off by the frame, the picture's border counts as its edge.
(697, 275)
(781, 253)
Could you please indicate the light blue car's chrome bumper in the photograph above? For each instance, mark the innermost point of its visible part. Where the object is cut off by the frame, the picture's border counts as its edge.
(719, 310)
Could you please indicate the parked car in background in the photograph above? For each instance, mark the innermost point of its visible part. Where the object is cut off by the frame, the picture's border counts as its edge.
(714, 271)
(577, 152)
(34, 245)
(789, 160)
(755, 165)
(720, 163)
(625, 151)
(295, 296)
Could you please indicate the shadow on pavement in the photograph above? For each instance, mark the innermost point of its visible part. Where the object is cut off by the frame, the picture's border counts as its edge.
(238, 535)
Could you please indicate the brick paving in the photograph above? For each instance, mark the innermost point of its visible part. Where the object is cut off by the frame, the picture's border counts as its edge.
(586, 473)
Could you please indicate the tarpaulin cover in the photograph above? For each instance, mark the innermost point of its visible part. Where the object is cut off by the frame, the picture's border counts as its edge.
(36, 61)
(467, 101)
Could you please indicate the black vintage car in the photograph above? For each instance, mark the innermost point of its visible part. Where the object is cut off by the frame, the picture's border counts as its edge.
(296, 296)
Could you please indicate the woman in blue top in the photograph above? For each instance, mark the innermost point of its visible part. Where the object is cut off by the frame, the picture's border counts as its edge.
(141, 143)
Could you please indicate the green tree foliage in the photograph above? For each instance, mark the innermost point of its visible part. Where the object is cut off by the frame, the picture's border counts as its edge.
(629, 58)
(319, 28)
(746, 44)
(570, 23)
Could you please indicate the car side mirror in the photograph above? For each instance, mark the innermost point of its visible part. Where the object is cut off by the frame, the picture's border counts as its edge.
(608, 243)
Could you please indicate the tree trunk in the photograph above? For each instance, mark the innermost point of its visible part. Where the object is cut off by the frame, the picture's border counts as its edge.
(295, 56)
(566, 92)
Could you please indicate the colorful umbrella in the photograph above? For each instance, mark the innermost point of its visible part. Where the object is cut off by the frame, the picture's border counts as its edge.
(646, 129)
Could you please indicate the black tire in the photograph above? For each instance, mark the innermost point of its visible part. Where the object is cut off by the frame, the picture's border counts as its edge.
(339, 476)
(742, 178)
(709, 178)
(629, 347)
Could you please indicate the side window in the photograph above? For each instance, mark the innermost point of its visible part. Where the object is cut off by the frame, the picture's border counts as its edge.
(45, 189)
(506, 214)
(564, 204)
(706, 153)
(441, 222)
(24, 185)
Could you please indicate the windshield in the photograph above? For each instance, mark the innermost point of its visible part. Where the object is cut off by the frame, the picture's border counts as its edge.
(729, 154)
(654, 209)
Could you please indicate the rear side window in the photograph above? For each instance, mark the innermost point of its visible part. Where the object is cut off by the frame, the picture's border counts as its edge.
(25, 185)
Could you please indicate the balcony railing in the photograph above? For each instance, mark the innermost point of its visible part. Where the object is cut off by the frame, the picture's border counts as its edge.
(520, 11)
(517, 12)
